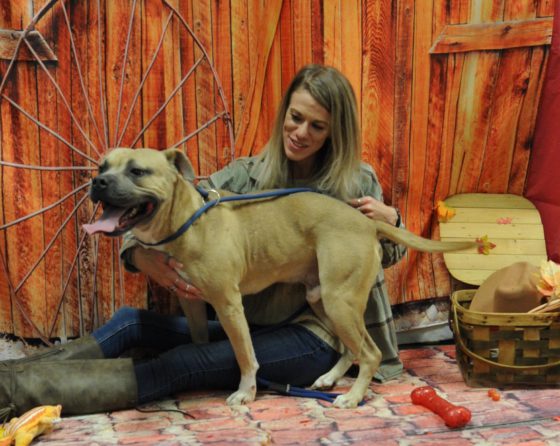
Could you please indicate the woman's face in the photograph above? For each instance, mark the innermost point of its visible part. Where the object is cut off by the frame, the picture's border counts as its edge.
(306, 128)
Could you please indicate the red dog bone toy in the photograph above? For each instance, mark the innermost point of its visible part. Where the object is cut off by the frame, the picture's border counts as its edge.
(454, 416)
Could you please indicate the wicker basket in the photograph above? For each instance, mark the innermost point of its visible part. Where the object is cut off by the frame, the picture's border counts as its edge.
(505, 349)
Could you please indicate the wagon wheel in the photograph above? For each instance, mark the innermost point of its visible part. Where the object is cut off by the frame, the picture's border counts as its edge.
(104, 74)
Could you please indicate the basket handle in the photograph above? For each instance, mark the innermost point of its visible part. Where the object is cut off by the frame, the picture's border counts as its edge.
(474, 355)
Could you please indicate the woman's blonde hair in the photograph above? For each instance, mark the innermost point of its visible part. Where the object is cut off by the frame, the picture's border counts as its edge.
(338, 163)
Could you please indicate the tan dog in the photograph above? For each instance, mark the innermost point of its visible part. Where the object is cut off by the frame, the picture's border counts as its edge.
(242, 247)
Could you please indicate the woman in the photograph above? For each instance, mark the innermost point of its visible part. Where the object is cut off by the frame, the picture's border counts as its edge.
(315, 142)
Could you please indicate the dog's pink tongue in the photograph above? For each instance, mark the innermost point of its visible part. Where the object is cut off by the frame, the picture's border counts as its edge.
(108, 222)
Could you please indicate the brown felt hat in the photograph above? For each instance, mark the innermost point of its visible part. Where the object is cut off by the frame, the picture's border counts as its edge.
(512, 289)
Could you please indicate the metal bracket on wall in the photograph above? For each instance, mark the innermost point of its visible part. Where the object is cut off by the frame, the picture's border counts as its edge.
(9, 39)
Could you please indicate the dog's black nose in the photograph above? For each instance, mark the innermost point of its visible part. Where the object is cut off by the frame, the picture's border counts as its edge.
(100, 182)
(101, 185)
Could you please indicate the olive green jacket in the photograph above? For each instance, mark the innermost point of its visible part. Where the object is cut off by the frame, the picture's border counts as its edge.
(280, 302)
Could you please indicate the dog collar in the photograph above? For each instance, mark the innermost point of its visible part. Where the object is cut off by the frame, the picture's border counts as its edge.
(210, 204)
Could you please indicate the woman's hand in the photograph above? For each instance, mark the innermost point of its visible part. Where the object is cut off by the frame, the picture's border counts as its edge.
(164, 269)
(375, 209)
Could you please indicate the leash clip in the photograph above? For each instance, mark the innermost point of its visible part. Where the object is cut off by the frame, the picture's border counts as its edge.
(217, 195)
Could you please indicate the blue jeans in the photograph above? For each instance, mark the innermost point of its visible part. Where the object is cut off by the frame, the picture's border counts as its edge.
(287, 354)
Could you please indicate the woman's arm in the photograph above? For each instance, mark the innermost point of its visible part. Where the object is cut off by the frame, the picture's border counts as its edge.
(158, 266)
(371, 204)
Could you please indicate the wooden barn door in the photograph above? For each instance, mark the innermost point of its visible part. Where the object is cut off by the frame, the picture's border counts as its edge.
(467, 85)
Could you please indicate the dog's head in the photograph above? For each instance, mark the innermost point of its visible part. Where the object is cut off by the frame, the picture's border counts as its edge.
(132, 184)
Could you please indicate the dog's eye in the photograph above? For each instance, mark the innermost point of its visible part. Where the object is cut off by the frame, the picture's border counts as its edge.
(138, 172)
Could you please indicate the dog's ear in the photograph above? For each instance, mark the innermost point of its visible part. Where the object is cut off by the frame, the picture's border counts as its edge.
(178, 159)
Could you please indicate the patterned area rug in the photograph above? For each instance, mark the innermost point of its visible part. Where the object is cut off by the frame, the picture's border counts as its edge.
(519, 417)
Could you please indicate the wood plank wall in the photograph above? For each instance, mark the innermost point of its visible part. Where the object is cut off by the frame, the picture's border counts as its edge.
(448, 94)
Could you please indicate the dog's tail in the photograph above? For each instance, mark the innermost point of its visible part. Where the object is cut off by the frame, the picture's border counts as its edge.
(407, 238)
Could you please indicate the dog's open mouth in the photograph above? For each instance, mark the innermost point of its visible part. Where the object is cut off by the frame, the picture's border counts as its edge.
(116, 220)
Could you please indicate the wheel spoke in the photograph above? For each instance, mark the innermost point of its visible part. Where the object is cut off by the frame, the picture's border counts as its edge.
(45, 168)
(51, 242)
(143, 81)
(169, 98)
(45, 209)
(198, 130)
(72, 267)
(49, 130)
(100, 74)
(119, 103)
(15, 298)
(80, 76)
(79, 120)
(62, 97)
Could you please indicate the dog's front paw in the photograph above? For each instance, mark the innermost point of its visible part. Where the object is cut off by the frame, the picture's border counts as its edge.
(240, 397)
(346, 401)
(326, 381)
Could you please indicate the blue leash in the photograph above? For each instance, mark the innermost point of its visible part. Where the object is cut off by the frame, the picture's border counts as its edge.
(210, 204)
(288, 390)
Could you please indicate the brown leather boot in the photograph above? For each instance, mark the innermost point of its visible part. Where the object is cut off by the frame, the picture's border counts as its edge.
(80, 386)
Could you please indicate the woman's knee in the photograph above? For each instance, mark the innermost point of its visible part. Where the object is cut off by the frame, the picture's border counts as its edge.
(127, 314)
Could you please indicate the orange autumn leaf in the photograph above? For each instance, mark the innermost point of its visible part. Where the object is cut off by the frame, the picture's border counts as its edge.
(484, 245)
(444, 212)
(504, 221)
(549, 281)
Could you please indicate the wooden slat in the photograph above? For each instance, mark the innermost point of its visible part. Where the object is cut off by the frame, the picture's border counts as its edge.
(205, 89)
(173, 111)
(153, 94)
(420, 189)
(511, 86)
(493, 262)
(378, 79)
(317, 35)
(434, 148)
(221, 50)
(272, 94)
(493, 36)
(506, 246)
(301, 16)
(545, 8)
(351, 45)
(21, 189)
(527, 120)
(492, 215)
(188, 95)
(287, 44)
(80, 308)
(494, 231)
(67, 321)
(489, 201)
(401, 137)
(240, 54)
(249, 121)
(332, 24)
(52, 184)
(500, 143)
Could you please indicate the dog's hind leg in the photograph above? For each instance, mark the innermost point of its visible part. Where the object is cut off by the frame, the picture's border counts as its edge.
(358, 340)
(232, 318)
(329, 379)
